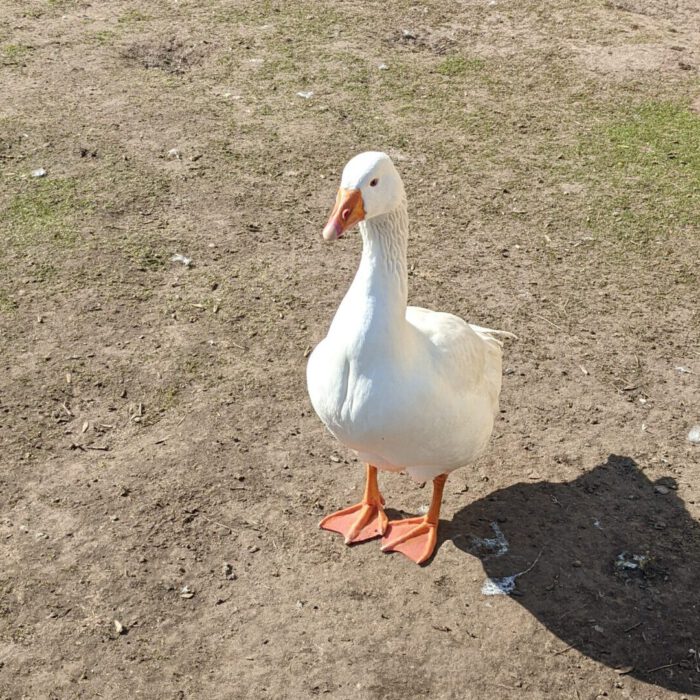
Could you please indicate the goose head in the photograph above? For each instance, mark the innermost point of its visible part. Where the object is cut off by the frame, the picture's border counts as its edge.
(370, 186)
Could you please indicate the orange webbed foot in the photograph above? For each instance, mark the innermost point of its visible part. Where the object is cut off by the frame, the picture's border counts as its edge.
(417, 537)
(363, 521)
(359, 523)
(414, 537)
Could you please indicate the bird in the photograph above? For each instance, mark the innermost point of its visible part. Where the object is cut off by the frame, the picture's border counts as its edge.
(406, 388)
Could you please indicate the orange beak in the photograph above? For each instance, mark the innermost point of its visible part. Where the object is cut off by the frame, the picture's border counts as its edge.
(348, 210)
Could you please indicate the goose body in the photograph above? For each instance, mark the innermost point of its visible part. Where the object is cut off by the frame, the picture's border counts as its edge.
(406, 388)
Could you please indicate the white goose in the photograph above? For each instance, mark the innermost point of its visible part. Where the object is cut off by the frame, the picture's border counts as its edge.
(406, 388)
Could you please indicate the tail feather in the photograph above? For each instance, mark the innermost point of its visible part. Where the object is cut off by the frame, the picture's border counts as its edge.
(491, 334)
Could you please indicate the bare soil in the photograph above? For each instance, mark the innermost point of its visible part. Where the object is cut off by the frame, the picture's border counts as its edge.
(162, 470)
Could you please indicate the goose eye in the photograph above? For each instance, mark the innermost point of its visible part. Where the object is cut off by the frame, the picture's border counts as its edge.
(374, 182)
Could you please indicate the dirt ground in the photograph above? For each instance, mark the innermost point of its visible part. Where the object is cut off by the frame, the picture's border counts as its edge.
(163, 472)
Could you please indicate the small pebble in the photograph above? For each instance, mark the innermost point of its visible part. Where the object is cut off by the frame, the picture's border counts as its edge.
(120, 627)
(39, 172)
(660, 488)
(694, 435)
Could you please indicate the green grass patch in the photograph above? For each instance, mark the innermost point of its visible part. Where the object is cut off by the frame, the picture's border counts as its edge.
(103, 37)
(458, 65)
(132, 17)
(644, 170)
(43, 272)
(143, 255)
(45, 213)
(14, 54)
(40, 8)
(662, 136)
(7, 304)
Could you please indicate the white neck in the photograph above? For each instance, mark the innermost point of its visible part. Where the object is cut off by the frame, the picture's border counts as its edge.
(376, 300)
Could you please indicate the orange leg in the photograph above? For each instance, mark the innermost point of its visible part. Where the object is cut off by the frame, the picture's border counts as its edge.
(417, 537)
(363, 521)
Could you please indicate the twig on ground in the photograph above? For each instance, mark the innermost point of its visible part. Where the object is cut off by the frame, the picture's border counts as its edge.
(532, 566)
(658, 668)
(546, 320)
(216, 522)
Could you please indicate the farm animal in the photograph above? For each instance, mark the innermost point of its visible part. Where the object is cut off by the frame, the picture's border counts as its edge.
(406, 388)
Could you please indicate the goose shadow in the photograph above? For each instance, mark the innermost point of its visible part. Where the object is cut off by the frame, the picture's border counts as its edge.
(616, 572)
